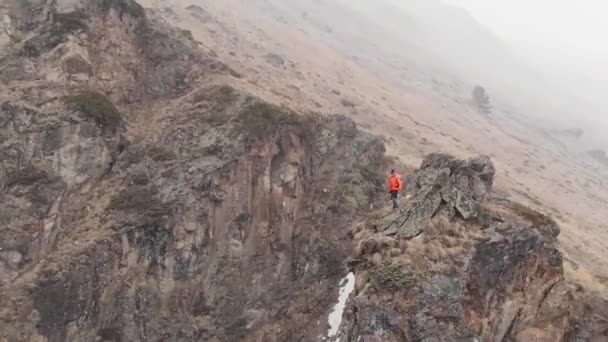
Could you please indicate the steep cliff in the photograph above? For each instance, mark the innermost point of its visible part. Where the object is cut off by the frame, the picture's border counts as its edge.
(145, 198)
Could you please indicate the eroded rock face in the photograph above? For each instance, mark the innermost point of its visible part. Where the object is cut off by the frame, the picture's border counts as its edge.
(494, 275)
(145, 199)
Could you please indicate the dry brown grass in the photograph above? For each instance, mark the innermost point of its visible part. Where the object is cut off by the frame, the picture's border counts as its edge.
(577, 275)
(375, 244)
(535, 217)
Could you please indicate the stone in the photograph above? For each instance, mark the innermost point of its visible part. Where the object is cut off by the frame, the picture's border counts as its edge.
(504, 281)
(445, 186)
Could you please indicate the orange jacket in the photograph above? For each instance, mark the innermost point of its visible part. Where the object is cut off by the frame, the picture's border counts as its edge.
(394, 183)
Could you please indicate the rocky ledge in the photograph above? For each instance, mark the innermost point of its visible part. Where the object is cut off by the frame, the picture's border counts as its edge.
(457, 264)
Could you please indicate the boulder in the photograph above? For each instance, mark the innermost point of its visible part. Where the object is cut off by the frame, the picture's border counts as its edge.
(443, 186)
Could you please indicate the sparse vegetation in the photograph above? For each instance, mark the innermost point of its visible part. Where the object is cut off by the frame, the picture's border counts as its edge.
(142, 200)
(215, 102)
(30, 8)
(69, 22)
(481, 100)
(62, 25)
(274, 60)
(187, 34)
(262, 120)
(161, 154)
(391, 277)
(130, 7)
(97, 107)
(76, 65)
(223, 95)
(537, 219)
(600, 156)
(348, 103)
(141, 179)
(26, 176)
(330, 260)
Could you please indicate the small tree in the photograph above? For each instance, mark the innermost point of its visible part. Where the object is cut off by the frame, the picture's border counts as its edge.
(481, 100)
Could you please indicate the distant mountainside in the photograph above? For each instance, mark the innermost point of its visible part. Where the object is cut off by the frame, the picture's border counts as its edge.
(442, 38)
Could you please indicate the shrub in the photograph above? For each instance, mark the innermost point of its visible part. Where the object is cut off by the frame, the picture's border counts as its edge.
(481, 100)
(187, 34)
(26, 176)
(76, 65)
(537, 219)
(348, 103)
(130, 7)
(142, 200)
(96, 107)
(262, 120)
(330, 259)
(391, 277)
(600, 156)
(161, 154)
(64, 23)
(222, 96)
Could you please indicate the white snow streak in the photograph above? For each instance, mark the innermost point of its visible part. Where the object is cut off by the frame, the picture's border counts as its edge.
(335, 317)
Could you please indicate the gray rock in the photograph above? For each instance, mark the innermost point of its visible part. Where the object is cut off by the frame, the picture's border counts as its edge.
(443, 186)
(274, 60)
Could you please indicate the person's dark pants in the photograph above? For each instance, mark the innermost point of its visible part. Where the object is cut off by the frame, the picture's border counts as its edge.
(395, 197)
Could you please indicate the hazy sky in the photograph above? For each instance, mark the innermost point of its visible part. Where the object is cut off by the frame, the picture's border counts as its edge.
(555, 31)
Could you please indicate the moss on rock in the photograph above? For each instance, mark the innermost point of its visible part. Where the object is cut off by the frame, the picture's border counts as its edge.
(96, 107)
(129, 7)
(261, 120)
(390, 276)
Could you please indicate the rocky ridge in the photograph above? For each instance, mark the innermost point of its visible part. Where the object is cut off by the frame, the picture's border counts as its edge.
(457, 264)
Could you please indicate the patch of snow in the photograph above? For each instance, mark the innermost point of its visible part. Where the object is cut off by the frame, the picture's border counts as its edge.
(335, 317)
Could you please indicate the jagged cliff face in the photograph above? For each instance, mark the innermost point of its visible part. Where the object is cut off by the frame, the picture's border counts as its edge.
(457, 264)
(144, 198)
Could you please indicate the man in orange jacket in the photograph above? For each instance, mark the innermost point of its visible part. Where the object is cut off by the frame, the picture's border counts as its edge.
(394, 186)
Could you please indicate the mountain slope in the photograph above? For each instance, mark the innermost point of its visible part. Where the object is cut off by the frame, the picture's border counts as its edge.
(337, 60)
(459, 264)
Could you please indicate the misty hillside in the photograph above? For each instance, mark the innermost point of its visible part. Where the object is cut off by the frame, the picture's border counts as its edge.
(445, 40)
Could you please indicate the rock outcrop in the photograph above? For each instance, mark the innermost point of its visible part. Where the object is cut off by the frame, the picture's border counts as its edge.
(599, 156)
(444, 187)
(144, 197)
(475, 268)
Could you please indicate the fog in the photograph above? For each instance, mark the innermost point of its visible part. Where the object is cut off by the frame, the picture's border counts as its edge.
(543, 60)
(557, 33)
(566, 40)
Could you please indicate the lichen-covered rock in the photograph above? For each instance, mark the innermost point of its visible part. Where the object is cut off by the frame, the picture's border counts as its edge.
(472, 268)
(444, 186)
